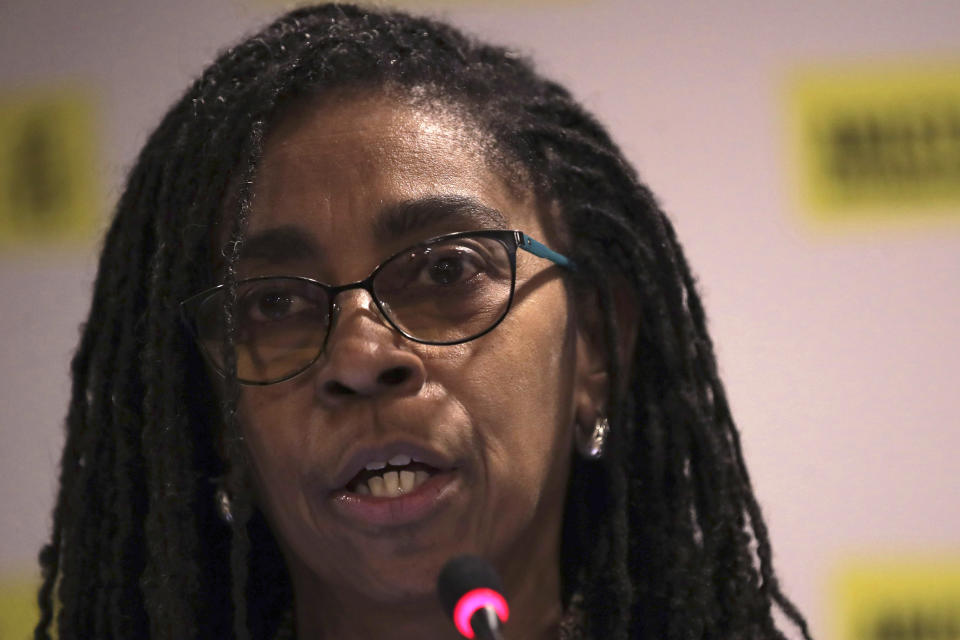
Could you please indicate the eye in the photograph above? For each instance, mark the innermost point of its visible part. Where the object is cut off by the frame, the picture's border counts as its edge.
(449, 266)
(273, 305)
(264, 303)
(453, 267)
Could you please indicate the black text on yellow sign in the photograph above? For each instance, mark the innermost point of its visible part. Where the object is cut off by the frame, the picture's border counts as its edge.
(898, 599)
(878, 138)
(48, 166)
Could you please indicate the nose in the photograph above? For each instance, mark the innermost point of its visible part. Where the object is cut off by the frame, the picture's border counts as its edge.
(363, 356)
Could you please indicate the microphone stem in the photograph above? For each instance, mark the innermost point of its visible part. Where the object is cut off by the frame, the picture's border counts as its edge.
(486, 624)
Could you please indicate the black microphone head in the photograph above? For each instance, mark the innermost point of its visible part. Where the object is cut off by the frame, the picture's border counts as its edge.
(462, 575)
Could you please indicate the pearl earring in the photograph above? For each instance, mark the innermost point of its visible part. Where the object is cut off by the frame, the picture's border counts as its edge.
(224, 507)
(590, 445)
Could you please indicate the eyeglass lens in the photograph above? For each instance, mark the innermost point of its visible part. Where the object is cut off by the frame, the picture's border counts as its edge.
(444, 292)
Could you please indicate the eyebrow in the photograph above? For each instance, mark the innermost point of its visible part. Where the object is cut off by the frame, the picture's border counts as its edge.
(289, 243)
(279, 244)
(410, 216)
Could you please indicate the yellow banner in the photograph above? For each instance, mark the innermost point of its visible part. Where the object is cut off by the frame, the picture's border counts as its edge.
(898, 599)
(877, 138)
(49, 184)
(18, 606)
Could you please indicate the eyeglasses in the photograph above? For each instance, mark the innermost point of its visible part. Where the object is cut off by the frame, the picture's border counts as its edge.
(447, 290)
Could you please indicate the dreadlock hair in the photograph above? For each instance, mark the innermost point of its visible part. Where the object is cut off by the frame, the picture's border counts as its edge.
(662, 539)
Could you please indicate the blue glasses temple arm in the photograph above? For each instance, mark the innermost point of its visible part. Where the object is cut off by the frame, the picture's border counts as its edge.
(527, 243)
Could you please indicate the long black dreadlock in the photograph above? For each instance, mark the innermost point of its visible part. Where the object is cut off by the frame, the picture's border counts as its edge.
(663, 540)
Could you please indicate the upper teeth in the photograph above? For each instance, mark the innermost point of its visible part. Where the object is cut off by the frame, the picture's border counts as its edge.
(398, 460)
(391, 484)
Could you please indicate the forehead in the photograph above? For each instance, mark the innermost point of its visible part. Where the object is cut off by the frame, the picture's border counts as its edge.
(359, 123)
(338, 165)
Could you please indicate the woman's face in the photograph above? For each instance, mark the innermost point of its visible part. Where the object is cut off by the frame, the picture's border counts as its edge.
(343, 185)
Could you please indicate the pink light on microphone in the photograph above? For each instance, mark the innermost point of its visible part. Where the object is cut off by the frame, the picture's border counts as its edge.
(468, 604)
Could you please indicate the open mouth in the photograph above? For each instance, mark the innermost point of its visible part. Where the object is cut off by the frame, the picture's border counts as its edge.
(391, 478)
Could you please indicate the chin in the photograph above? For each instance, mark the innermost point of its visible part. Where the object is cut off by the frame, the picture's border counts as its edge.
(411, 583)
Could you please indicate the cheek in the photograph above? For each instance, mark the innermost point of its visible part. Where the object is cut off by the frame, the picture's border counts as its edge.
(518, 388)
(536, 378)
(275, 448)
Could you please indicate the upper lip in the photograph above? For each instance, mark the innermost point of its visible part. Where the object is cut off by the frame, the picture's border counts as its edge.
(362, 454)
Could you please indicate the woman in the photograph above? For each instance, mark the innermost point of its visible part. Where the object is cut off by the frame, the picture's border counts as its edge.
(377, 295)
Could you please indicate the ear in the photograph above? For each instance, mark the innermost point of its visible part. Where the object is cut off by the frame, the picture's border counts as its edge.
(592, 391)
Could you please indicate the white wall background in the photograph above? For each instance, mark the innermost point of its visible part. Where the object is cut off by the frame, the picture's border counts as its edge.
(839, 350)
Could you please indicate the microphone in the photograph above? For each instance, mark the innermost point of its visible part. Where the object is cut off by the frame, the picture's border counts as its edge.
(471, 594)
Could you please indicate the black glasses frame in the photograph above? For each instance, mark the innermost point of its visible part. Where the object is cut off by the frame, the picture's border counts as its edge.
(512, 240)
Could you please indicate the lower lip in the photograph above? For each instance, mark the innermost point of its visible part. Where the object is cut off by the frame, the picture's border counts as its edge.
(405, 509)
